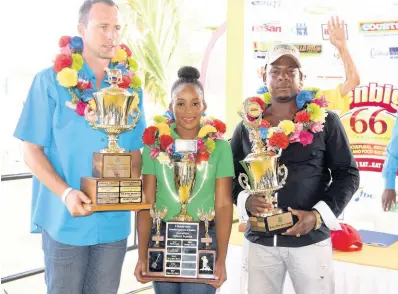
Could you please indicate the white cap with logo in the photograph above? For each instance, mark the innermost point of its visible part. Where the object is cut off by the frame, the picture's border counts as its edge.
(279, 50)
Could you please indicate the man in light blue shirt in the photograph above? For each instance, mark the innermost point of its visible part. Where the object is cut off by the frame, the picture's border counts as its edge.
(83, 251)
(390, 171)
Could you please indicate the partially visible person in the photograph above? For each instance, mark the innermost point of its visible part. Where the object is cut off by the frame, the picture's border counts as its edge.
(390, 168)
(213, 180)
(83, 251)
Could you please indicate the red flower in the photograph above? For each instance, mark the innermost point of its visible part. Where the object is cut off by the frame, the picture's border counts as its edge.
(149, 135)
(63, 41)
(126, 49)
(165, 141)
(302, 117)
(265, 123)
(84, 85)
(279, 140)
(220, 126)
(62, 61)
(202, 156)
(259, 101)
(80, 108)
(126, 81)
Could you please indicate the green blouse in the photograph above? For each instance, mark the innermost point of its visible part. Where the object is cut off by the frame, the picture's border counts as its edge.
(219, 165)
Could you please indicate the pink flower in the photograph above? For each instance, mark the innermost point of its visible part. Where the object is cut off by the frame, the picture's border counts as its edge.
(299, 127)
(191, 157)
(322, 102)
(306, 138)
(81, 108)
(90, 115)
(154, 152)
(200, 143)
(169, 149)
(317, 127)
(294, 137)
(66, 50)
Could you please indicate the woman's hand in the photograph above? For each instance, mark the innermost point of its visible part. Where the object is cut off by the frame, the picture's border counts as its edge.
(140, 271)
(220, 274)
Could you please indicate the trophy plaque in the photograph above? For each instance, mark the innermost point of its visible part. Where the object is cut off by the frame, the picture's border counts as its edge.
(184, 256)
(111, 186)
(263, 176)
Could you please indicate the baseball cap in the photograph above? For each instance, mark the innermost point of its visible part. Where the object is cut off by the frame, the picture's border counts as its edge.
(284, 49)
(347, 239)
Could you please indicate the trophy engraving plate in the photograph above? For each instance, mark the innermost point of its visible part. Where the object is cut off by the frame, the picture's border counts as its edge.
(280, 221)
(156, 262)
(106, 191)
(112, 165)
(182, 241)
(189, 146)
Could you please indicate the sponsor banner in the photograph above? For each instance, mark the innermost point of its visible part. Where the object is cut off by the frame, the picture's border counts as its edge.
(270, 27)
(369, 123)
(325, 32)
(309, 49)
(386, 53)
(379, 28)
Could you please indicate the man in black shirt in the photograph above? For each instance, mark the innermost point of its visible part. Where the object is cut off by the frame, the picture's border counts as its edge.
(322, 178)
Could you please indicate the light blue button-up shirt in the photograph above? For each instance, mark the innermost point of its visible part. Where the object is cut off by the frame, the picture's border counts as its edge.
(69, 143)
(391, 163)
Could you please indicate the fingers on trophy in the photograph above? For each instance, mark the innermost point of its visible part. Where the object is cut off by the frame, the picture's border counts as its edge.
(264, 176)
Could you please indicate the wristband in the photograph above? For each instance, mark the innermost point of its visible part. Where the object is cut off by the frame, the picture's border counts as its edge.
(65, 194)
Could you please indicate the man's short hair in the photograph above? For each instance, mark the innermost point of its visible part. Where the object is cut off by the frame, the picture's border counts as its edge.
(86, 7)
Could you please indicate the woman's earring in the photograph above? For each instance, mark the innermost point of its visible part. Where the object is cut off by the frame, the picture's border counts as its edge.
(203, 114)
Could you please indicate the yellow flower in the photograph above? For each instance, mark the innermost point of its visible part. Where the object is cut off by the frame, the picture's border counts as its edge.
(135, 82)
(67, 77)
(210, 145)
(77, 62)
(205, 130)
(267, 98)
(318, 114)
(132, 64)
(119, 56)
(286, 127)
(160, 119)
(163, 129)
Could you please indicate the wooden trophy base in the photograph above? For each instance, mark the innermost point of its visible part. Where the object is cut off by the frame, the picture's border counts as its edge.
(113, 194)
(272, 225)
(111, 165)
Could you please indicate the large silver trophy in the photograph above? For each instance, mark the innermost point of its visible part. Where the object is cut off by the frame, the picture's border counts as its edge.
(264, 176)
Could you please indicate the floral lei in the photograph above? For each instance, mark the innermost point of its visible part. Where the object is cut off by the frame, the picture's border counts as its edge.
(307, 121)
(158, 139)
(68, 66)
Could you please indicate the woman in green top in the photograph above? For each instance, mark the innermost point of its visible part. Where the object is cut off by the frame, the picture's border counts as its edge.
(213, 177)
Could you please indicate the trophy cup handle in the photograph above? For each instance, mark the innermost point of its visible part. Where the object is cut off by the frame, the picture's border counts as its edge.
(244, 182)
(135, 113)
(282, 171)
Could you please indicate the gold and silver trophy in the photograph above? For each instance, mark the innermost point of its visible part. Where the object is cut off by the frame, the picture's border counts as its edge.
(112, 186)
(264, 176)
(183, 258)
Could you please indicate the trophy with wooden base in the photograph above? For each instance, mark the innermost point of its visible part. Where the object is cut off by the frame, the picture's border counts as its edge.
(112, 186)
(184, 259)
(263, 176)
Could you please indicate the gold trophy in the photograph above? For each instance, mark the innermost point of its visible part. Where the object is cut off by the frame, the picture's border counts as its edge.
(111, 186)
(156, 254)
(263, 175)
(184, 177)
(206, 218)
(157, 216)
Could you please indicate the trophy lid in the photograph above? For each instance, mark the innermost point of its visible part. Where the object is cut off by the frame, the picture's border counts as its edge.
(115, 77)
